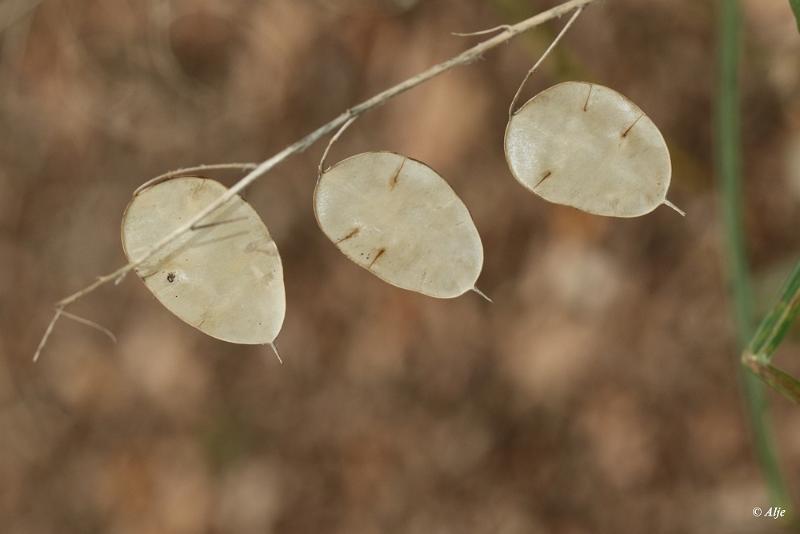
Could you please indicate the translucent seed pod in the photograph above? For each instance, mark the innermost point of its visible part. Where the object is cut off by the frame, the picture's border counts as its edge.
(587, 146)
(224, 277)
(400, 220)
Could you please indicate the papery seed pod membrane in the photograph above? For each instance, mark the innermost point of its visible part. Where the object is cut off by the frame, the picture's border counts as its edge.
(224, 277)
(587, 146)
(400, 220)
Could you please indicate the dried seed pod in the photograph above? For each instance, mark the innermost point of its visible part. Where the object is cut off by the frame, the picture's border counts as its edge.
(224, 277)
(589, 147)
(400, 220)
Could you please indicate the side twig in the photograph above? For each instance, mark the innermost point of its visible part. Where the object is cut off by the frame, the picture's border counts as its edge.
(501, 28)
(91, 324)
(194, 170)
(336, 136)
(468, 56)
(541, 59)
(47, 332)
(78, 319)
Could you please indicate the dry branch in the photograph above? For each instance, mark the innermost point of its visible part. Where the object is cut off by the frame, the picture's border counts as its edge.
(466, 57)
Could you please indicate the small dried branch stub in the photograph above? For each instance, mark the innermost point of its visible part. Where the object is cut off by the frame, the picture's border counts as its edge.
(541, 60)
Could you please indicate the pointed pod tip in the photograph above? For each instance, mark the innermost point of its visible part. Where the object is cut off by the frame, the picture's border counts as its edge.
(275, 351)
(482, 294)
(673, 206)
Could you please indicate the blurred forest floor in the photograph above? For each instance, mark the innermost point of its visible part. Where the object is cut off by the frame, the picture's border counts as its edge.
(597, 394)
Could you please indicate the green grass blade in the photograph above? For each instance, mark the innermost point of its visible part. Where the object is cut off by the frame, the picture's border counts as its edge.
(776, 324)
(728, 141)
(796, 8)
(779, 380)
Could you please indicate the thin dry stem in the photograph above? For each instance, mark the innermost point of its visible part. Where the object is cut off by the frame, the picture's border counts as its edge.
(542, 58)
(192, 170)
(320, 168)
(500, 28)
(468, 56)
(218, 223)
(47, 333)
(91, 324)
(77, 318)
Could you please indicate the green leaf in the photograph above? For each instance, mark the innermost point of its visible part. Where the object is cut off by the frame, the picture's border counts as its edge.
(796, 8)
(776, 324)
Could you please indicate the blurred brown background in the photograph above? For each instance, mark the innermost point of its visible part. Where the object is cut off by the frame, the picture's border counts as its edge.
(597, 394)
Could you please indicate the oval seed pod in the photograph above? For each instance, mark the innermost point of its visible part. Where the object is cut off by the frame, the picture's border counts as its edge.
(400, 220)
(589, 147)
(225, 277)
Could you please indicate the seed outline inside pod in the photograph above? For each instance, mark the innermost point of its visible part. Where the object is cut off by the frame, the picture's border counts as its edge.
(587, 146)
(371, 205)
(225, 277)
